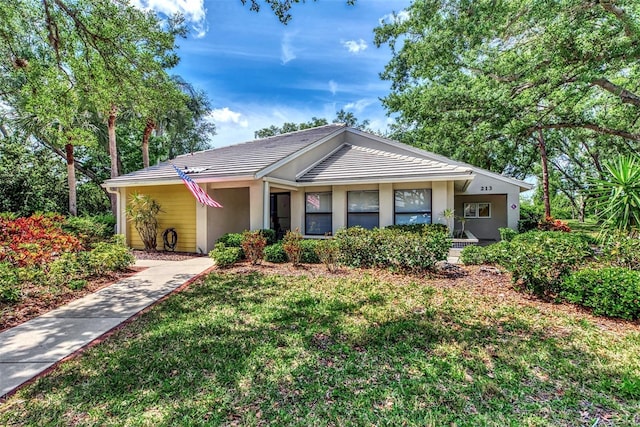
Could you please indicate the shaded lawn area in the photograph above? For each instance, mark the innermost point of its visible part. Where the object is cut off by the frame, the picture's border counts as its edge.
(255, 349)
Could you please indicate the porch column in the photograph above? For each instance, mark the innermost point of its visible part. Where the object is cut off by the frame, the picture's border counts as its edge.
(297, 210)
(439, 201)
(385, 192)
(256, 205)
(201, 225)
(266, 205)
(339, 208)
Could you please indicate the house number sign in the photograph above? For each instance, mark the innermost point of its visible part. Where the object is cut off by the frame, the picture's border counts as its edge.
(486, 188)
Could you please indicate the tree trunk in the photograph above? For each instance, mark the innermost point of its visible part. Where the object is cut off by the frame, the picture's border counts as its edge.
(545, 174)
(71, 180)
(149, 127)
(113, 152)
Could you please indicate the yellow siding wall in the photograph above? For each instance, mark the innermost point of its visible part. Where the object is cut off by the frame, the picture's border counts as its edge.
(178, 211)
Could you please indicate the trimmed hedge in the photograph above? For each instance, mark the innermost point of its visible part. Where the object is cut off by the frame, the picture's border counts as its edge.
(610, 291)
(309, 255)
(539, 260)
(399, 248)
(496, 253)
(275, 253)
(224, 256)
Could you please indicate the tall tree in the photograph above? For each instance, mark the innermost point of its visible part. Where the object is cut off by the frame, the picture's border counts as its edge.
(84, 49)
(486, 82)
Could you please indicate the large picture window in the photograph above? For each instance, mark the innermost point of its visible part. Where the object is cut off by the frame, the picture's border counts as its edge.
(477, 210)
(318, 213)
(412, 206)
(363, 209)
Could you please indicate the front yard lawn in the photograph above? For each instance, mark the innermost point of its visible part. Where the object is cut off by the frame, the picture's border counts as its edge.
(354, 349)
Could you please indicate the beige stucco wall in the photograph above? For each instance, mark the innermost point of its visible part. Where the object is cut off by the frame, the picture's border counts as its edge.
(484, 185)
(442, 197)
(234, 217)
(484, 228)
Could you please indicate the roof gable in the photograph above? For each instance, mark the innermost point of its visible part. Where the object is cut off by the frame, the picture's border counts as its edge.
(351, 162)
(241, 160)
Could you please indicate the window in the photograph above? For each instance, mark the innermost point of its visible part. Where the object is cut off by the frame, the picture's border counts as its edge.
(412, 206)
(477, 210)
(363, 209)
(318, 213)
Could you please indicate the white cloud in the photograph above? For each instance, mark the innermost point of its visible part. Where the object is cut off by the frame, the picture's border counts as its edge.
(355, 46)
(333, 87)
(193, 11)
(394, 18)
(287, 53)
(225, 115)
(359, 105)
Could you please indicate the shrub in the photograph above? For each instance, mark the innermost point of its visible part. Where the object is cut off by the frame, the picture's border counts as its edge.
(77, 284)
(275, 253)
(412, 252)
(393, 247)
(270, 235)
(292, 246)
(89, 230)
(357, 247)
(143, 210)
(473, 255)
(328, 252)
(9, 283)
(109, 256)
(419, 228)
(539, 260)
(253, 243)
(309, 255)
(551, 224)
(63, 269)
(621, 250)
(224, 256)
(231, 240)
(34, 240)
(530, 217)
(610, 291)
(507, 234)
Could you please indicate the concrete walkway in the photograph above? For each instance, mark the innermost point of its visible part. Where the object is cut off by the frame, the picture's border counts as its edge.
(36, 345)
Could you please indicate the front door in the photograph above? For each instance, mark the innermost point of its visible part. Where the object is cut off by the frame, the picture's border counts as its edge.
(280, 213)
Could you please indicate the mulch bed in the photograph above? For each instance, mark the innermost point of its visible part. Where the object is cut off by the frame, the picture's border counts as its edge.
(38, 300)
(164, 255)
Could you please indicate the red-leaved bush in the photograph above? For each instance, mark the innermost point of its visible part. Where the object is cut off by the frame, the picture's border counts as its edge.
(551, 224)
(34, 240)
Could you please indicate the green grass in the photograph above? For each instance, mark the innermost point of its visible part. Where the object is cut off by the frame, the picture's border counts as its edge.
(258, 350)
(589, 226)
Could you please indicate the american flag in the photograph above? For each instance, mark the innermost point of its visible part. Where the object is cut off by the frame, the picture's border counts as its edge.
(198, 192)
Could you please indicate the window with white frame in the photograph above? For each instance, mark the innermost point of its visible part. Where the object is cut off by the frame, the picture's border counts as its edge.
(412, 206)
(318, 213)
(477, 210)
(363, 209)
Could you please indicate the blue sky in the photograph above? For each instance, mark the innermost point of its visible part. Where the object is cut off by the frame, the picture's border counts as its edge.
(258, 72)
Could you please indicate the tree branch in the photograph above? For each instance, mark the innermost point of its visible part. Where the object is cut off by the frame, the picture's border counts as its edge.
(590, 126)
(625, 95)
(619, 13)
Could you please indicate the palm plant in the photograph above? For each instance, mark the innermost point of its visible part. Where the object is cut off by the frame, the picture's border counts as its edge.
(143, 211)
(618, 196)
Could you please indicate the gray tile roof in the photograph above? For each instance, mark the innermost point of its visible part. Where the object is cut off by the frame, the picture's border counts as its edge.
(244, 159)
(354, 163)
